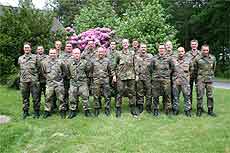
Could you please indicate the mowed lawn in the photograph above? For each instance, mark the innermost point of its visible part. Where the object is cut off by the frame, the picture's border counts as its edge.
(109, 134)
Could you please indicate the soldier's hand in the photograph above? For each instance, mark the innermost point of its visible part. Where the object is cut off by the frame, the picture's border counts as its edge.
(114, 78)
(137, 78)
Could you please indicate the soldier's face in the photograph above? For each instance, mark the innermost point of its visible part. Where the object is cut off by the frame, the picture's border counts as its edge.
(58, 45)
(40, 50)
(101, 52)
(91, 44)
(113, 45)
(161, 49)
(143, 49)
(168, 46)
(53, 54)
(135, 44)
(194, 45)
(205, 50)
(27, 49)
(68, 48)
(125, 44)
(181, 52)
(76, 54)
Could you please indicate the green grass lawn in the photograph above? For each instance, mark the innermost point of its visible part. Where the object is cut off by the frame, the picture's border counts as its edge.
(109, 134)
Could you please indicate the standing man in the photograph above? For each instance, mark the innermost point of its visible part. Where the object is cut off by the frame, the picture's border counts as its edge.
(101, 69)
(41, 56)
(29, 80)
(161, 69)
(180, 77)
(191, 55)
(125, 72)
(54, 71)
(204, 66)
(79, 70)
(143, 79)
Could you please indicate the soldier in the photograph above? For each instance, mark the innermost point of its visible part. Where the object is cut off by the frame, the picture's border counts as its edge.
(125, 79)
(135, 46)
(181, 75)
(41, 56)
(54, 71)
(204, 67)
(191, 55)
(29, 80)
(143, 80)
(79, 70)
(65, 56)
(161, 68)
(101, 69)
(58, 45)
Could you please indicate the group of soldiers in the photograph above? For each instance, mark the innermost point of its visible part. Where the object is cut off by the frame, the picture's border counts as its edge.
(71, 76)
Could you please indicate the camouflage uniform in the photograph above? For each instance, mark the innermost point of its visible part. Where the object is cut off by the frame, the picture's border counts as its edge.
(79, 71)
(41, 59)
(65, 57)
(161, 68)
(89, 55)
(125, 77)
(180, 78)
(193, 80)
(54, 71)
(204, 67)
(143, 84)
(101, 71)
(29, 80)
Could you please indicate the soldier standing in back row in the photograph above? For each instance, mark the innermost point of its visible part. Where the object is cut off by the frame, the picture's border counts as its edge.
(161, 69)
(204, 67)
(54, 71)
(125, 72)
(29, 80)
(180, 78)
(143, 80)
(78, 69)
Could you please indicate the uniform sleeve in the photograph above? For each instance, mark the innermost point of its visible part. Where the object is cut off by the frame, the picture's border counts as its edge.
(195, 67)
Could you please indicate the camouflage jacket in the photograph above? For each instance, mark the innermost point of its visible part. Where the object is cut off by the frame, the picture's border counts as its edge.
(161, 67)
(89, 54)
(124, 66)
(41, 59)
(65, 57)
(79, 71)
(205, 67)
(54, 71)
(183, 67)
(190, 56)
(141, 66)
(29, 68)
(101, 69)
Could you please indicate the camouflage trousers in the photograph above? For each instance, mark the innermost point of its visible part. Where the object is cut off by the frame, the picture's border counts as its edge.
(192, 82)
(179, 86)
(201, 87)
(56, 89)
(161, 88)
(28, 88)
(75, 92)
(101, 88)
(143, 89)
(126, 88)
(66, 87)
(42, 90)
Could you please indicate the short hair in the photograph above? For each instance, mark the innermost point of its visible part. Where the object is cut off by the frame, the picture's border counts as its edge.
(40, 46)
(204, 45)
(53, 49)
(57, 41)
(161, 44)
(27, 43)
(194, 40)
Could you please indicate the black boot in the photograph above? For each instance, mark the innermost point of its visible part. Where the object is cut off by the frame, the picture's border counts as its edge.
(36, 114)
(199, 112)
(25, 114)
(87, 113)
(175, 112)
(96, 112)
(133, 110)
(107, 112)
(63, 114)
(118, 111)
(148, 108)
(168, 112)
(140, 108)
(188, 113)
(211, 113)
(72, 114)
(156, 112)
(46, 114)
